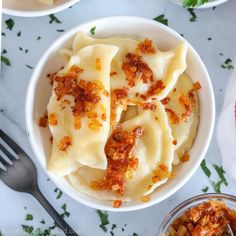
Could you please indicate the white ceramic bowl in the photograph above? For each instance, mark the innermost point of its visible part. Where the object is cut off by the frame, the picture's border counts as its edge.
(210, 3)
(39, 92)
(33, 8)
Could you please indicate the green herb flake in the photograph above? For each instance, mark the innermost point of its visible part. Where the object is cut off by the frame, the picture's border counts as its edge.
(209, 39)
(193, 3)
(227, 64)
(134, 234)
(10, 23)
(93, 30)
(26, 50)
(60, 30)
(1, 233)
(104, 219)
(27, 229)
(38, 38)
(217, 186)
(205, 189)
(19, 34)
(59, 192)
(53, 18)
(5, 60)
(39, 232)
(193, 15)
(21, 49)
(161, 19)
(113, 226)
(221, 172)
(30, 67)
(65, 213)
(103, 227)
(4, 51)
(112, 233)
(205, 169)
(28, 217)
(42, 222)
(3, 34)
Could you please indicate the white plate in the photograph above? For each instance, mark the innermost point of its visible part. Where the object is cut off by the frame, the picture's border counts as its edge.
(39, 92)
(211, 3)
(33, 8)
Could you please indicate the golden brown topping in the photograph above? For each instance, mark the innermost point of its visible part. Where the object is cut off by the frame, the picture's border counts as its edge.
(92, 114)
(187, 106)
(154, 89)
(160, 173)
(77, 122)
(119, 150)
(117, 203)
(196, 86)
(98, 64)
(146, 47)
(52, 119)
(174, 119)
(106, 93)
(149, 106)
(94, 124)
(113, 73)
(145, 198)
(43, 121)
(104, 116)
(174, 142)
(135, 69)
(165, 101)
(206, 219)
(65, 143)
(185, 157)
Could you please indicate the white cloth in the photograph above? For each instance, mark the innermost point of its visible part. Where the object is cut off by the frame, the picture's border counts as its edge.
(226, 130)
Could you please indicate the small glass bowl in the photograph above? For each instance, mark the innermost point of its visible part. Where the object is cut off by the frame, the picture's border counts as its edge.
(229, 200)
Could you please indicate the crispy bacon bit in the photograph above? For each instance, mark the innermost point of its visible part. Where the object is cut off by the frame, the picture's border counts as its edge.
(98, 64)
(117, 203)
(52, 119)
(174, 142)
(160, 173)
(106, 93)
(187, 106)
(77, 122)
(145, 198)
(135, 69)
(149, 106)
(113, 73)
(51, 138)
(185, 157)
(65, 143)
(197, 86)
(174, 90)
(92, 114)
(208, 218)
(104, 116)
(146, 47)
(94, 124)
(174, 119)
(155, 88)
(119, 150)
(165, 101)
(43, 121)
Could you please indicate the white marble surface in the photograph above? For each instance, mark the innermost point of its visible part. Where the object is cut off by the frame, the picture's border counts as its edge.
(219, 24)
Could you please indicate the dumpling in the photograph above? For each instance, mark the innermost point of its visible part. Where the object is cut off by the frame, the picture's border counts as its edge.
(154, 151)
(183, 122)
(79, 110)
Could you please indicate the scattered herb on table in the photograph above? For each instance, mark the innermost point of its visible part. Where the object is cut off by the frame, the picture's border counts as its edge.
(38, 38)
(30, 67)
(21, 49)
(220, 171)
(59, 193)
(217, 186)
(193, 3)
(209, 39)
(65, 213)
(60, 30)
(4, 51)
(39, 232)
(205, 189)
(28, 217)
(1, 233)
(161, 19)
(5, 60)
(42, 221)
(104, 220)
(193, 15)
(134, 234)
(227, 64)
(19, 34)
(93, 30)
(3, 34)
(27, 229)
(53, 18)
(205, 169)
(26, 50)
(113, 226)
(10, 23)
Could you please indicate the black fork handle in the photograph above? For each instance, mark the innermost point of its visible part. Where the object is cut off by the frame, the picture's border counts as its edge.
(68, 231)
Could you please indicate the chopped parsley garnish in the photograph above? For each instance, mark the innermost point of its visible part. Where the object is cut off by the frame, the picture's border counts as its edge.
(134, 234)
(93, 30)
(19, 34)
(28, 217)
(161, 19)
(221, 172)
(228, 64)
(5, 60)
(27, 229)
(4, 51)
(42, 221)
(65, 213)
(60, 30)
(38, 38)
(193, 15)
(40, 232)
(53, 18)
(30, 67)
(104, 220)
(205, 169)
(217, 186)
(193, 3)
(57, 190)
(10, 23)
(205, 189)
(113, 227)
(3, 34)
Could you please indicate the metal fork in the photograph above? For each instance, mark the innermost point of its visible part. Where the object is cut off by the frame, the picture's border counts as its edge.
(20, 174)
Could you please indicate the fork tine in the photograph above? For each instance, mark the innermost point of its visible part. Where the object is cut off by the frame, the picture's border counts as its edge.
(7, 153)
(4, 162)
(11, 143)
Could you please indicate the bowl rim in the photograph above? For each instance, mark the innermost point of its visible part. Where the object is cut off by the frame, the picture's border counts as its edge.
(38, 13)
(205, 5)
(29, 108)
(187, 202)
